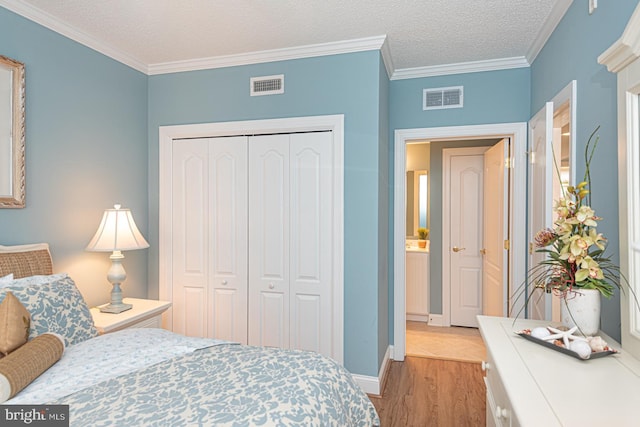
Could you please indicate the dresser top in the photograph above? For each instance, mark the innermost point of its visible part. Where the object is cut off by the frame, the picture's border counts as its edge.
(548, 388)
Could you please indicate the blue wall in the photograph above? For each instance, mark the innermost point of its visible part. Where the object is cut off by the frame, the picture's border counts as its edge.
(571, 54)
(341, 84)
(86, 149)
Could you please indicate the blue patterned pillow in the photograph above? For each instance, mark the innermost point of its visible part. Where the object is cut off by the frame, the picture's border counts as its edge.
(55, 306)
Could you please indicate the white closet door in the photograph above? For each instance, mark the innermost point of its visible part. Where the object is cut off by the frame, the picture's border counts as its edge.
(269, 241)
(228, 238)
(310, 242)
(209, 221)
(190, 227)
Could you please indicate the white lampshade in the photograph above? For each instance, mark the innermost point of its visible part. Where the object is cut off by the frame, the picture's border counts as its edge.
(117, 232)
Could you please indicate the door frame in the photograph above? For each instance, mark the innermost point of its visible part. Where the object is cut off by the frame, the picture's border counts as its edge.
(518, 133)
(333, 123)
(446, 223)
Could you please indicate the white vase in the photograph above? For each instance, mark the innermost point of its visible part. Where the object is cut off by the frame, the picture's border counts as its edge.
(581, 308)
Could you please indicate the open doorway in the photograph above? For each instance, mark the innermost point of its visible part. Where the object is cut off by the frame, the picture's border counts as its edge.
(439, 310)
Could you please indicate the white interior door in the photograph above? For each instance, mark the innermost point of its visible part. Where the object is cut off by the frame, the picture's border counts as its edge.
(540, 200)
(495, 230)
(209, 223)
(290, 240)
(466, 212)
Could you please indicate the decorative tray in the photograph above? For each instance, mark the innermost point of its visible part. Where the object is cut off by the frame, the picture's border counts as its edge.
(562, 349)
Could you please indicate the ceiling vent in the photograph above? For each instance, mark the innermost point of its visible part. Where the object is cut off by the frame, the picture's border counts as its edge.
(267, 85)
(442, 97)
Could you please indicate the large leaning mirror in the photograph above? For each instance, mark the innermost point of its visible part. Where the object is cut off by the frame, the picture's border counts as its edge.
(12, 123)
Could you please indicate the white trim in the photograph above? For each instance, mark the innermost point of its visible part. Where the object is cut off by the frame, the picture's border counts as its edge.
(460, 68)
(55, 24)
(557, 13)
(298, 52)
(518, 131)
(373, 385)
(623, 58)
(446, 223)
(626, 49)
(334, 123)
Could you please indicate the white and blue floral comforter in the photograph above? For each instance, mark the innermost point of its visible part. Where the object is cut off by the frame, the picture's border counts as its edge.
(224, 384)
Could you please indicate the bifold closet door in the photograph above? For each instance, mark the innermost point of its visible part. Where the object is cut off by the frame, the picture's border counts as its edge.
(209, 225)
(290, 236)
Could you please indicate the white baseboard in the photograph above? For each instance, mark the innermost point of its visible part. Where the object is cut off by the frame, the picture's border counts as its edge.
(436, 320)
(418, 317)
(373, 385)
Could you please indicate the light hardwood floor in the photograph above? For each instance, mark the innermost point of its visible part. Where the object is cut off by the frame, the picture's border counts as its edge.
(440, 383)
(422, 392)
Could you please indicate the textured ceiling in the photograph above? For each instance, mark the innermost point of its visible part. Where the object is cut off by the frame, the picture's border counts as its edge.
(420, 33)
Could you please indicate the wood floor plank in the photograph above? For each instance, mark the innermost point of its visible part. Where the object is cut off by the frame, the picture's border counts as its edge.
(429, 392)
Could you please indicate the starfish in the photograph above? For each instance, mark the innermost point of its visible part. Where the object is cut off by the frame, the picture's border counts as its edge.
(565, 336)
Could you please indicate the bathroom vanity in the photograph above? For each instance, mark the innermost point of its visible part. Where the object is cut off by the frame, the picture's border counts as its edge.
(417, 283)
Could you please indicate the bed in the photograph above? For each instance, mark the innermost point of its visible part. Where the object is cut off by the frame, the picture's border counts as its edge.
(146, 377)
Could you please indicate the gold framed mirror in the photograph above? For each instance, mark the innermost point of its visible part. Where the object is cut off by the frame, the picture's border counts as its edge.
(12, 133)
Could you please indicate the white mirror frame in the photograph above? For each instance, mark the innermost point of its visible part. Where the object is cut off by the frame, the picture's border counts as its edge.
(14, 142)
(623, 58)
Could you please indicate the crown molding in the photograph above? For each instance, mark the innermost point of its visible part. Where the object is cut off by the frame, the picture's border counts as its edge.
(626, 49)
(46, 20)
(550, 24)
(298, 52)
(387, 58)
(461, 68)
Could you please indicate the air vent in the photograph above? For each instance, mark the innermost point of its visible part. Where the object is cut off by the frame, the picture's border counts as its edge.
(442, 97)
(267, 85)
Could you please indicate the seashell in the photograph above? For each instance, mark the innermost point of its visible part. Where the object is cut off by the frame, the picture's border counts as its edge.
(540, 333)
(597, 343)
(581, 347)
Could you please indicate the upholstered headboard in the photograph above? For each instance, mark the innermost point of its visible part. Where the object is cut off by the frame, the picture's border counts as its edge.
(25, 260)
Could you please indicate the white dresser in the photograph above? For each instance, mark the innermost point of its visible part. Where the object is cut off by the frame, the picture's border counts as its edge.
(531, 385)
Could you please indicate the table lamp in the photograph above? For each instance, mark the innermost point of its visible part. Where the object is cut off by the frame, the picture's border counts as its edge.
(117, 232)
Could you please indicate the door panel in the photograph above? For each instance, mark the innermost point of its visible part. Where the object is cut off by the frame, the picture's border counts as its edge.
(228, 237)
(190, 228)
(311, 242)
(466, 212)
(494, 229)
(269, 240)
(540, 198)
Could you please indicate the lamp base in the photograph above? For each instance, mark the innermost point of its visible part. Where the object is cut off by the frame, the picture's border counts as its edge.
(115, 308)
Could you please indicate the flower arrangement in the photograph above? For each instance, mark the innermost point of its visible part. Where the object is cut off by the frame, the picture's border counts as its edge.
(575, 249)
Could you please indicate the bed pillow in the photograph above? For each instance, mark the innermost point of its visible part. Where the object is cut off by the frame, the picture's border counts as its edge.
(25, 260)
(56, 306)
(27, 363)
(14, 324)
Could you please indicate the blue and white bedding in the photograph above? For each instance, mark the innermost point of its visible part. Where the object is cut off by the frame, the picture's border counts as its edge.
(152, 377)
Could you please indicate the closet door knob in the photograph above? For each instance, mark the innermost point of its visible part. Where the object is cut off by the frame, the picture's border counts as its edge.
(271, 286)
(224, 283)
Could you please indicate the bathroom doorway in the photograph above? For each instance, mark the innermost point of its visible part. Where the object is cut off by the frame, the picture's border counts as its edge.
(438, 313)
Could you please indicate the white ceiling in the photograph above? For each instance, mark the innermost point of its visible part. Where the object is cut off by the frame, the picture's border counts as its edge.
(419, 33)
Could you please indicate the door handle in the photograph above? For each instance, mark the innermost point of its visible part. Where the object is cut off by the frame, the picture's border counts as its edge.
(457, 249)
(483, 251)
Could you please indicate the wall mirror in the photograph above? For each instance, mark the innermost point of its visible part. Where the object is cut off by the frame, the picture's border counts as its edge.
(418, 164)
(12, 126)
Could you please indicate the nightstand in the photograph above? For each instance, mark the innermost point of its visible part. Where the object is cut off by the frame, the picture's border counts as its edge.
(145, 313)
